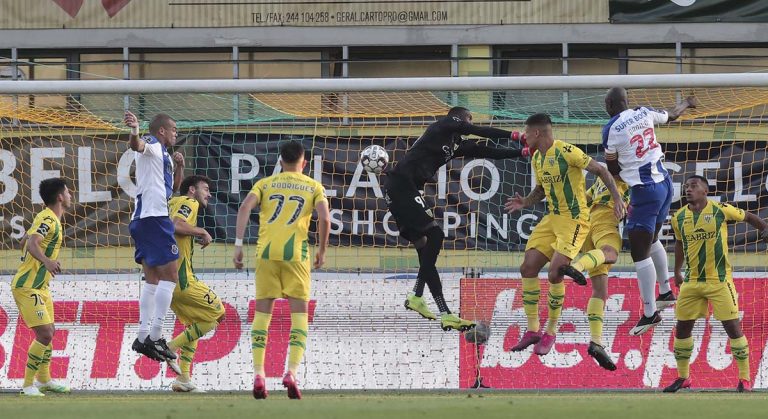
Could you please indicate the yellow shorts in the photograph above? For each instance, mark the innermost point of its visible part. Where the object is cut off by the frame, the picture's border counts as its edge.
(603, 231)
(196, 303)
(35, 306)
(279, 279)
(558, 233)
(694, 295)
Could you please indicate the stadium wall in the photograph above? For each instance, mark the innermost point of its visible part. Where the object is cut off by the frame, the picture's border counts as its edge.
(362, 338)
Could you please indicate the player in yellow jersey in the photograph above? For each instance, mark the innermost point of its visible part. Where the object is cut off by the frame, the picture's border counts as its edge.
(30, 285)
(559, 236)
(286, 202)
(196, 306)
(601, 249)
(701, 235)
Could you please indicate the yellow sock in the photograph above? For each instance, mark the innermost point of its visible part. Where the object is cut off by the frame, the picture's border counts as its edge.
(683, 349)
(740, 352)
(589, 260)
(35, 356)
(191, 333)
(259, 330)
(556, 297)
(531, 293)
(185, 360)
(595, 311)
(297, 341)
(44, 372)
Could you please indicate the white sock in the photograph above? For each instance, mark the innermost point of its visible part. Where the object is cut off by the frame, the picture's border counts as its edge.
(659, 257)
(146, 309)
(163, 298)
(646, 279)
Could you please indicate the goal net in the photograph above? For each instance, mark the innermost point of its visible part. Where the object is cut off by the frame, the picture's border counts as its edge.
(360, 335)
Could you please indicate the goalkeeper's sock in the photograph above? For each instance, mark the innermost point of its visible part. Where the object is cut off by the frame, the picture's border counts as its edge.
(595, 312)
(297, 342)
(163, 297)
(531, 294)
(683, 349)
(191, 333)
(589, 260)
(35, 356)
(740, 352)
(185, 360)
(660, 262)
(44, 372)
(556, 297)
(646, 280)
(418, 289)
(259, 330)
(146, 309)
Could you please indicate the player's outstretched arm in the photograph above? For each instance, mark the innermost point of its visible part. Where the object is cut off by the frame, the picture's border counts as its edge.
(689, 102)
(243, 215)
(323, 232)
(472, 149)
(679, 259)
(34, 249)
(183, 228)
(619, 210)
(136, 143)
(517, 202)
(758, 223)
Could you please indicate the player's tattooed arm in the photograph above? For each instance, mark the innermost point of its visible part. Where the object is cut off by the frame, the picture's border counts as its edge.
(619, 209)
(517, 202)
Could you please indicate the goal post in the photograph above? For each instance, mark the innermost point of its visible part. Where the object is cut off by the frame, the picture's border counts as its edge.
(231, 130)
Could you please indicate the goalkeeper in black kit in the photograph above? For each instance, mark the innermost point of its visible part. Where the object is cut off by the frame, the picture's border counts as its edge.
(440, 143)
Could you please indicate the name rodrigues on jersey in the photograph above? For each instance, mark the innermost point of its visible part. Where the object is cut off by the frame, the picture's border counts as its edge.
(292, 186)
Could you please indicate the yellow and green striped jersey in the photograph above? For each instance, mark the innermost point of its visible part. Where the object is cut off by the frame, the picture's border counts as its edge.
(598, 193)
(559, 172)
(185, 208)
(704, 236)
(287, 201)
(32, 273)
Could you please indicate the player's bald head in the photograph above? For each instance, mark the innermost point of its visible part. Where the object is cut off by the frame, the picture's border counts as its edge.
(616, 100)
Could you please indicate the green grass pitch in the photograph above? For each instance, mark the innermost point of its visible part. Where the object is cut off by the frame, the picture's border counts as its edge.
(389, 405)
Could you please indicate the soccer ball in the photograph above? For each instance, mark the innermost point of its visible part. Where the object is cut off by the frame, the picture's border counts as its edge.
(478, 334)
(374, 159)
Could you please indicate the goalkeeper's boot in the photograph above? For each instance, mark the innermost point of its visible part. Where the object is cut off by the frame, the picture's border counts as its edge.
(529, 338)
(160, 349)
(544, 345)
(290, 384)
(52, 387)
(598, 352)
(452, 321)
(259, 387)
(417, 304)
(678, 384)
(31, 391)
(574, 273)
(645, 324)
(185, 387)
(665, 300)
(744, 386)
